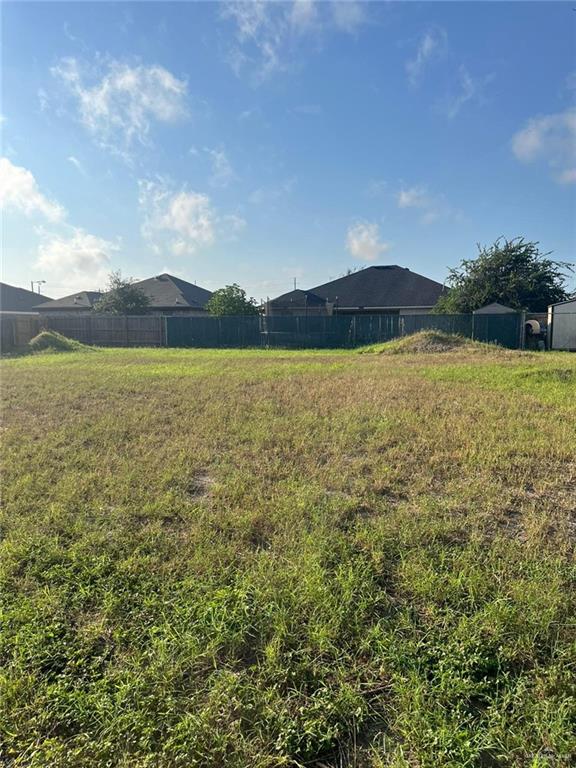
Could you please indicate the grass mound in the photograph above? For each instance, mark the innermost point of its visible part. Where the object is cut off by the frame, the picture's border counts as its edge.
(428, 342)
(52, 341)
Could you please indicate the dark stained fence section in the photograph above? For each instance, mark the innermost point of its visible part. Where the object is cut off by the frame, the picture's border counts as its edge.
(243, 331)
(506, 330)
(336, 331)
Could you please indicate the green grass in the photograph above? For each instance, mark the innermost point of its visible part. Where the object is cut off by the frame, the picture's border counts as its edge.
(269, 558)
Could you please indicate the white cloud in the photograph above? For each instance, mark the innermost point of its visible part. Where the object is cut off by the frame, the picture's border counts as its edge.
(19, 191)
(303, 14)
(412, 197)
(570, 82)
(184, 217)
(551, 138)
(431, 44)
(123, 101)
(348, 15)
(363, 241)
(268, 33)
(273, 193)
(78, 260)
(222, 171)
(568, 176)
(43, 100)
(233, 225)
(77, 164)
(433, 207)
(469, 88)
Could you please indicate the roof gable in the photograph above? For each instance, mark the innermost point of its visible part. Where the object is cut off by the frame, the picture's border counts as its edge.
(298, 298)
(494, 308)
(14, 299)
(381, 286)
(80, 300)
(167, 291)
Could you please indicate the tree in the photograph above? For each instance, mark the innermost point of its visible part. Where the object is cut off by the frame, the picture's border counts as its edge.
(122, 297)
(231, 300)
(512, 272)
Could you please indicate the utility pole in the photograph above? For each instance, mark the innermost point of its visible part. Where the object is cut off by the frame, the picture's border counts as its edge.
(38, 283)
(294, 283)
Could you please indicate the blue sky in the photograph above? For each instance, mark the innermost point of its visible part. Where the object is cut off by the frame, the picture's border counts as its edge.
(261, 142)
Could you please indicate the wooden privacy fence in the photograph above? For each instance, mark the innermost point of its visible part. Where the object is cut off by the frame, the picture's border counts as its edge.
(334, 331)
(16, 329)
(109, 330)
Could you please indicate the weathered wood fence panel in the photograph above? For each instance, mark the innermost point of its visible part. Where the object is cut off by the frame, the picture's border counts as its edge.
(109, 330)
(16, 329)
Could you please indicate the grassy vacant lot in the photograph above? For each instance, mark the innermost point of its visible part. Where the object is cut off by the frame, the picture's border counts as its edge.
(258, 559)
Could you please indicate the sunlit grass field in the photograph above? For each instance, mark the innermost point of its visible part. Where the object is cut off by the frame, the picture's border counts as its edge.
(267, 558)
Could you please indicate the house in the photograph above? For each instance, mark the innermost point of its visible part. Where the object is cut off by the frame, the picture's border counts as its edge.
(495, 308)
(375, 290)
(76, 303)
(168, 295)
(13, 299)
(171, 295)
(562, 325)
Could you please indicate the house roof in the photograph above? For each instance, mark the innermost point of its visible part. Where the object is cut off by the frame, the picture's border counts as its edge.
(494, 308)
(168, 292)
(80, 300)
(298, 298)
(14, 299)
(379, 286)
(164, 292)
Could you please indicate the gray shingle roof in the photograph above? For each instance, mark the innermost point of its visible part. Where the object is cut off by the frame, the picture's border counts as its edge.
(164, 291)
(379, 286)
(168, 292)
(298, 298)
(14, 299)
(80, 300)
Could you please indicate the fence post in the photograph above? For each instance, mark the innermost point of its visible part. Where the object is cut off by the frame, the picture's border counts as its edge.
(522, 328)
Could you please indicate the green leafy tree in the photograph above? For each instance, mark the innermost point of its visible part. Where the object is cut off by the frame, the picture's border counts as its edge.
(122, 297)
(512, 272)
(231, 300)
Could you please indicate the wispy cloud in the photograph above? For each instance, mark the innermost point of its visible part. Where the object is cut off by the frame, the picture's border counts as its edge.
(273, 192)
(68, 255)
(77, 259)
(377, 187)
(363, 241)
(182, 220)
(118, 103)
(186, 217)
(468, 89)
(431, 206)
(77, 164)
(268, 34)
(312, 110)
(19, 191)
(431, 45)
(551, 139)
(222, 172)
(349, 15)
